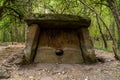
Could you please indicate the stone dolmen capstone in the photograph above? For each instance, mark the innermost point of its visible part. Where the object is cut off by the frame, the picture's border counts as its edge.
(56, 38)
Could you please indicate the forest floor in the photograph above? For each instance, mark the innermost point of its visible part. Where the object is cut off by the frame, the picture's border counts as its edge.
(10, 69)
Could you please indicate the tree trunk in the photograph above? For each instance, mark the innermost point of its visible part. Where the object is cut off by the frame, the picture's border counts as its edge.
(113, 29)
(116, 18)
(102, 35)
(114, 9)
(3, 35)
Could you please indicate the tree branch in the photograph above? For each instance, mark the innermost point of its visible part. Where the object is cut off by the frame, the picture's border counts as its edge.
(114, 44)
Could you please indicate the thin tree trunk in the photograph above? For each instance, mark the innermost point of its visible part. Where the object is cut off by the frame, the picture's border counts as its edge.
(3, 35)
(114, 9)
(113, 29)
(113, 40)
(16, 31)
(16, 34)
(23, 33)
(11, 34)
(102, 35)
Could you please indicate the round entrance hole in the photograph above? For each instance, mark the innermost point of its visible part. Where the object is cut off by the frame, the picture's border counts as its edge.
(59, 52)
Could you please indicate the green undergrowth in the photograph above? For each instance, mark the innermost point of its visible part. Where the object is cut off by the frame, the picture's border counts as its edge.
(104, 49)
(99, 45)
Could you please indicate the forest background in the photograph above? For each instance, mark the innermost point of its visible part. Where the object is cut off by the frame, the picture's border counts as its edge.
(104, 15)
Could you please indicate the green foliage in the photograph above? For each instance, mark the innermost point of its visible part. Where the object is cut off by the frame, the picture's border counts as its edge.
(100, 45)
(13, 12)
(104, 49)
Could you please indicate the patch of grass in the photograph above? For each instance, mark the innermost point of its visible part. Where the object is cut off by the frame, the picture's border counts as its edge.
(104, 49)
(99, 45)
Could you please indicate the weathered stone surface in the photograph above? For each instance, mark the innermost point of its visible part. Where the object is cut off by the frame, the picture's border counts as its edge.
(58, 20)
(59, 38)
(86, 46)
(72, 55)
(47, 54)
(32, 42)
(66, 33)
(53, 39)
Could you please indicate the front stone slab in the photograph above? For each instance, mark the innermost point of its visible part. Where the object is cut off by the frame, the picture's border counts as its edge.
(47, 54)
(59, 39)
(63, 39)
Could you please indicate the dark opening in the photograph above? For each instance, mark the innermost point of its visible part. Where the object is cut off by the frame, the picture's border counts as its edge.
(59, 52)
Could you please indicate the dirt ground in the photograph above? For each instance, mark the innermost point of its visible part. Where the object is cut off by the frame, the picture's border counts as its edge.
(10, 69)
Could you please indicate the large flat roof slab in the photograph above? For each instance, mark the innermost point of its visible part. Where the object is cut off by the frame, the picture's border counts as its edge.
(58, 20)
